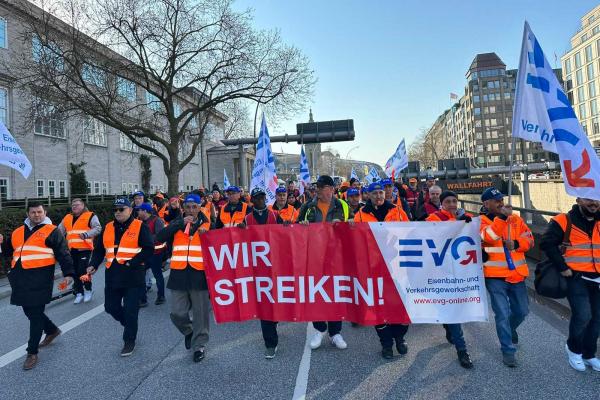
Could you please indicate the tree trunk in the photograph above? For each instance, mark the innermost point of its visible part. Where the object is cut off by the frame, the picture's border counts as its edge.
(172, 170)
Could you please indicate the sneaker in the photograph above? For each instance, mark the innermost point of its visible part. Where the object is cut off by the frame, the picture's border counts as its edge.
(575, 360)
(143, 303)
(188, 340)
(592, 362)
(387, 353)
(87, 296)
(50, 338)
(270, 352)
(160, 300)
(402, 347)
(338, 341)
(199, 355)
(464, 359)
(316, 340)
(127, 349)
(509, 360)
(78, 298)
(514, 337)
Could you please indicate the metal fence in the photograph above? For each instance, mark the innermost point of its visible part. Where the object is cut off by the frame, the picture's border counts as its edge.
(16, 204)
(533, 217)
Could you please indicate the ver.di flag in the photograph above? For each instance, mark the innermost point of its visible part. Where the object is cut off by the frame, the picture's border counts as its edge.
(353, 174)
(373, 176)
(226, 183)
(264, 174)
(398, 161)
(304, 177)
(11, 154)
(542, 113)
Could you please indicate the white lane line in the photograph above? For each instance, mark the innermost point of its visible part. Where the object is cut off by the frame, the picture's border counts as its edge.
(66, 327)
(304, 368)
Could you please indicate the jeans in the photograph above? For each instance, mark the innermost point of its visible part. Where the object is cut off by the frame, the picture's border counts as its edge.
(333, 327)
(123, 304)
(510, 304)
(182, 301)
(584, 326)
(457, 336)
(388, 333)
(38, 323)
(81, 260)
(269, 332)
(154, 263)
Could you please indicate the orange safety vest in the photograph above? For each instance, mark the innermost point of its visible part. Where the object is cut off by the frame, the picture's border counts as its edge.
(582, 253)
(238, 217)
(395, 214)
(289, 213)
(207, 209)
(441, 216)
(492, 235)
(32, 252)
(187, 250)
(127, 248)
(73, 230)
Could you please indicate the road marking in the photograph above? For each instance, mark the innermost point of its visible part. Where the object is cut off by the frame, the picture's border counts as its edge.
(66, 327)
(304, 368)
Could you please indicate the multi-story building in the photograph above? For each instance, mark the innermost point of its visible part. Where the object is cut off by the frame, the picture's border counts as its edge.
(581, 69)
(51, 142)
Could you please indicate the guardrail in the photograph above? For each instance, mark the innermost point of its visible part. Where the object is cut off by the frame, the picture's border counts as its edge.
(54, 201)
(530, 215)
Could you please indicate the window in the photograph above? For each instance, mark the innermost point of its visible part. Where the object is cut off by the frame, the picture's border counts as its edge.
(582, 114)
(40, 188)
(475, 99)
(477, 111)
(583, 37)
(595, 30)
(94, 132)
(152, 101)
(478, 123)
(588, 53)
(48, 54)
(130, 187)
(4, 106)
(126, 89)
(51, 188)
(127, 144)
(48, 121)
(88, 187)
(580, 94)
(568, 66)
(578, 77)
(123, 188)
(96, 187)
(4, 188)
(594, 107)
(595, 127)
(592, 89)
(93, 75)
(590, 72)
(3, 36)
(577, 60)
(104, 187)
(62, 189)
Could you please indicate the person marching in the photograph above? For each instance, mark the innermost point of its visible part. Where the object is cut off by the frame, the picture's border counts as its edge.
(505, 238)
(35, 247)
(234, 211)
(353, 199)
(187, 280)
(432, 205)
(80, 227)
(451, 212)
(325, 208)
(127, 244)
(380, 209)
(412, 196)
(154, 263)
(572, 242)
(281, 207)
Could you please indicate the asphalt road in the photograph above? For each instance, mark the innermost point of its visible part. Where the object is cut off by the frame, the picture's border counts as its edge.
(84, 362)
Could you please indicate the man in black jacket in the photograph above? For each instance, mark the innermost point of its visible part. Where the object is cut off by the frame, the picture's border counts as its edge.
(126, 243)
(35, 247)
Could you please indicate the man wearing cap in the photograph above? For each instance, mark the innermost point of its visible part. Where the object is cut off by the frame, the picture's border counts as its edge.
(187, 280)
(380, 209)
(127, 244)
(432, 205)
(154, 263)
(326, 208)
(505, 238)
(285, 211)
(353, 199)
(159, 205)
(424, 197)
(355, 183)
(450, 212)
(412, 196)
(234, 211)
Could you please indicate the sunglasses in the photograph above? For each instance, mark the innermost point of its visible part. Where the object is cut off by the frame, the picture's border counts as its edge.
(120, 209)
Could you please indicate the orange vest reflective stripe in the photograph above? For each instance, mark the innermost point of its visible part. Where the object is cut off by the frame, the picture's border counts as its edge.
(581, 253)
(496, 266)
(32, 252)
(74, 230)
(187, 250)
(395, 214)
(128, 246)
(289, 213)
(229, 220)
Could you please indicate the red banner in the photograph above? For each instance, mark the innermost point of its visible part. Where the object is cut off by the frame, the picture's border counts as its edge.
(320, 272)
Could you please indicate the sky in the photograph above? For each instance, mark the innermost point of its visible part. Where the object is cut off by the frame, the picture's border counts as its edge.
(391, 65)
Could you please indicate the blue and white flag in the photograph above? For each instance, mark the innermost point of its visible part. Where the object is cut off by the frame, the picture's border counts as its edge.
(226, 183)
(398, 161)
(353, 174)
(542, 113)
(11, 154)
(264, 174)
(304, 177)
(373, 176)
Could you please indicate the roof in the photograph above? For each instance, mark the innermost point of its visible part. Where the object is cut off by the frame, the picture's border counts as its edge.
(486, 61)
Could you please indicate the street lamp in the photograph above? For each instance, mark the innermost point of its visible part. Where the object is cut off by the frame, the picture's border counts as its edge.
(350, 151)
(293, 70)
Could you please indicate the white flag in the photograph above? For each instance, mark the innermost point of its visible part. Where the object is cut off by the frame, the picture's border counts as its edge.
(542, 113)
(226, 183)
(353, 174)
(398, 161)
(264, 174)
(373, 176)
(11, 154)
(304, 177)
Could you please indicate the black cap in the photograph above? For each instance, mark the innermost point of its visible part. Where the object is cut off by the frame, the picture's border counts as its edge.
(257, 191)
(325, 180)
(447, 193)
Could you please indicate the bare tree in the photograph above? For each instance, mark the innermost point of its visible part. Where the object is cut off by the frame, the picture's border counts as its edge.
(159, 71)
(429, 146)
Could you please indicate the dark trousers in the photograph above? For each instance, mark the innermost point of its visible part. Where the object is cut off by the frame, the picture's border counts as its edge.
(123, 304)
(269, 332)
(81, 261)
(38, 323)
(456, 334)
(155, 264)
(584, 326)
(388, 333)
(333, 327)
